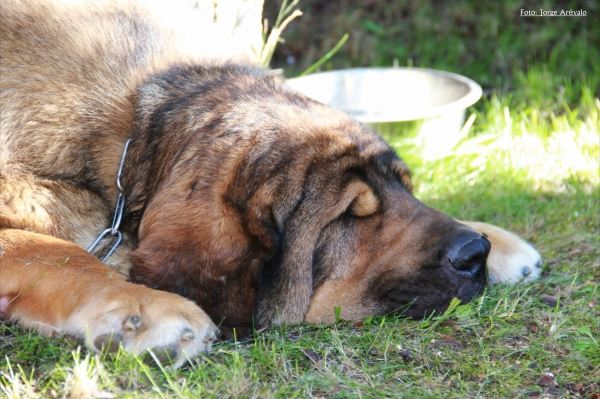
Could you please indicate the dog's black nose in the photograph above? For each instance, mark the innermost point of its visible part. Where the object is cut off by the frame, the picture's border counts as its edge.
(469, 253)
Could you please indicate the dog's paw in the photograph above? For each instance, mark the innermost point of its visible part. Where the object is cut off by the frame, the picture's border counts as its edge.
(173, 328)
(511, 259)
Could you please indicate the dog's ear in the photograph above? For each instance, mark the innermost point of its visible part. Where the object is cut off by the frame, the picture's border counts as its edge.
(286, 280)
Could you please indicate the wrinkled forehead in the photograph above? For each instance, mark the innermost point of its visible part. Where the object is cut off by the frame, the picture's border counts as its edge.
(378, 153)
(302, 122)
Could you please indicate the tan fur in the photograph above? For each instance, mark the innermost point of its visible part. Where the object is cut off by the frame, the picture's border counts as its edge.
(54, 286)
(38, 101)
(257, 203)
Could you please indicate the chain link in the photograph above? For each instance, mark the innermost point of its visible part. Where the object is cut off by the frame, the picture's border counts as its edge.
(113, 230)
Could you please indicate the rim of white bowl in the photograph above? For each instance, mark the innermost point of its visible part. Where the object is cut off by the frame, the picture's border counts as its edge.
(473, 94)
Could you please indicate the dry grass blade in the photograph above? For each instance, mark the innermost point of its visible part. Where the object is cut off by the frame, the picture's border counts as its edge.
(283, 20)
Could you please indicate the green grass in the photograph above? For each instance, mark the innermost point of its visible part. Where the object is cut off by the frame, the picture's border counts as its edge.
(529, 163)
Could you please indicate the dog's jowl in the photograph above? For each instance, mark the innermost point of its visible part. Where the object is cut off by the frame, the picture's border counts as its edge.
(244, 202)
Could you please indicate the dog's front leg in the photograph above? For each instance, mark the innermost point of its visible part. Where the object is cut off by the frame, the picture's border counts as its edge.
(54, 286)
(511, 258)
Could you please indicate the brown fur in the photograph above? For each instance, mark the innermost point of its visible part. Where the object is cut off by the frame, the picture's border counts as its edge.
(259, 204)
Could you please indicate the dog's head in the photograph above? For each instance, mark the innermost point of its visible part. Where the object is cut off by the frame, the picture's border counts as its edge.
(259, 202)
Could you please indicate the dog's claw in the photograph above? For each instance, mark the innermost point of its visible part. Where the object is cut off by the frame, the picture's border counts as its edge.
(187, 334)
(210, 337)
(132, 323)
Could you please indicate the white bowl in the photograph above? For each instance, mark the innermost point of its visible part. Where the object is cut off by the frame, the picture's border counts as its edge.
(379, 95)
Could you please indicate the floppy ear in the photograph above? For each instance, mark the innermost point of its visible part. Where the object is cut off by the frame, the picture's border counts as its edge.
(286, 280)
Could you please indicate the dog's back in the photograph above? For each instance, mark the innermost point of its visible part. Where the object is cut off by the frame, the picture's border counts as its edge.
(65, 66)
(69, 76)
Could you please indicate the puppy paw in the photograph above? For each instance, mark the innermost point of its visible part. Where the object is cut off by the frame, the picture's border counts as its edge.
(173, 328)
(511, 259)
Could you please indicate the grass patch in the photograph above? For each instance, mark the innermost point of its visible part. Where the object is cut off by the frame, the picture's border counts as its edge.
(529, 164)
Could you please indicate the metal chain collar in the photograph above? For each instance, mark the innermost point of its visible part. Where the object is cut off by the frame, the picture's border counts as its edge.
(114, 229)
